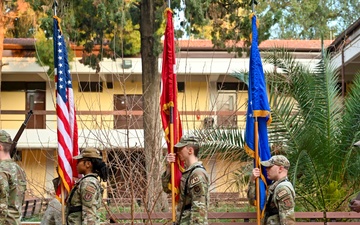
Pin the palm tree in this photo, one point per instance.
(315, 128)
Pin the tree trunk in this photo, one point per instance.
(151, 107)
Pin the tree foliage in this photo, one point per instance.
(310, 19)
(93, 23)
(19, 23)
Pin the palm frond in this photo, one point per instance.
(227, 142)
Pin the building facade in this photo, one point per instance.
(109, 104)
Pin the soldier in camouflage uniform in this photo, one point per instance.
(52, 215)
(85, 198)
(354, 204)
(280, 201)
(194, 186)
(12, 184)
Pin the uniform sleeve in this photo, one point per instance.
(286, 204)
(251, 193)
(4, 196)
(48, 217)
(198, 189)
(56, 212)
(89, 198)
(165, 180)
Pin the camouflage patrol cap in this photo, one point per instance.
(187, 140)
(89, 153)
(5, 137)
(278, 160)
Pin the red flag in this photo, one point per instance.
(65, 110)
(168, 97)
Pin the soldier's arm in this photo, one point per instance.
(89, 197)
(165, 181)
(4, 196)
(251, 193)
(286, 204)
(48, 215)
(198, 191)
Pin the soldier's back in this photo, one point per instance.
(14, 186)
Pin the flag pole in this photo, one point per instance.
(62, 188)
(172, 165)
(63, 204)
(257, 161)
(257, 165)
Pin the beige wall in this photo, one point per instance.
(227, 175)
(39, 166)
(12, 101)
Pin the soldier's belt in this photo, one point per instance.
(187, 207)
(271, 212)
(73, 209)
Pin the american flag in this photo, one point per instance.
(66, 116)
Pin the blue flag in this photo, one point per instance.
(258, 107)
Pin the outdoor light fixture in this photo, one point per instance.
(126, 64)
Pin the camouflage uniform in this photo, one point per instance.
(52, 215)
(12, 191)
(193, 204)
(84, 201)
(280, 201)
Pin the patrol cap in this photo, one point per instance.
(278, 160)
(187, 140)
(89, 153)
(5, 137)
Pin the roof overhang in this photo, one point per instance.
(345, 51)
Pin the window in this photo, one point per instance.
(35, 97)
(22, 86)
(90, 86)
(232, 86)
(181, 87)
(131, 116)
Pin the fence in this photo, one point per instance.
(33, 207)
(241, 218)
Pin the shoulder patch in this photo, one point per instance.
(194, 180)
(90, 189)
(88, 196)
(282, 193)
(287, 202)
(89, 192)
